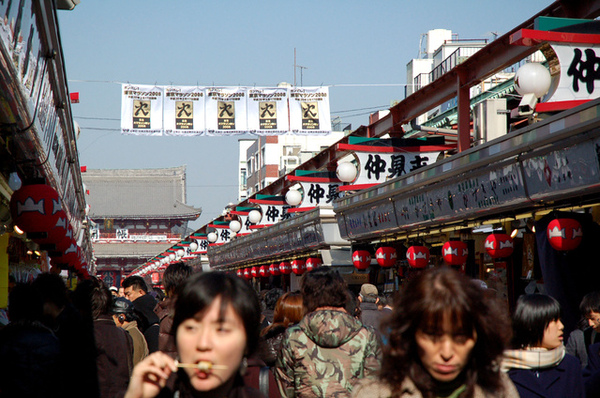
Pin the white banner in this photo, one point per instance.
(268, 111)
(376, 168)
(272, 214)
(578, 72)
(226, 111)
(319, 193)
(309, 110)
(184, 110)
(142, 109)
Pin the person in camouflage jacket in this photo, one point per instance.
(329, 351)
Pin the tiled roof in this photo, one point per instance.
(129, 250)
(150, 193)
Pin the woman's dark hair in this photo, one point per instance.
(434, 296)
(289, 310)
(174, 276)
(201, 289)
(590, 303)
(323, 287)
(532, 315)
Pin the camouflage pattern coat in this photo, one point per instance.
(325, 355)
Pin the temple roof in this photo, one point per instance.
(129, 250)
(138, 194)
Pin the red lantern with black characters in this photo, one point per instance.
(35, 208)
(263, 271)
(455, 252)
(298, 267)
(312, 263)
(386, 256)
(285, 268)
(155, 277)
(247, 273)
(564, 234)
(417, 256)
(499, 245)
(361, 259)
(274, 269)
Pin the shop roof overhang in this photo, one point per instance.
(544, 165)
(301, 235)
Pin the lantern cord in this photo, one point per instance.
(37, 102)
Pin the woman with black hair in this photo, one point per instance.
(446, 336)
(216, 326)
(538, 364)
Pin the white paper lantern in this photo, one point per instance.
(254, 216)
(180, 252)
(172, 256)
(235, 225)
(293, 197)
(193, 246)
(532, 78)
(346, 172)
(212, 237)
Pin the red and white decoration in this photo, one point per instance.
(298, 267)
(247, 273)
(240, 273)
(361, 259)
(499, 245)
(455, 252)
(285, 268)
(386, 256)
(263, 271)
(417, 256)
(564, 234)
(254, 272)
(35, 207)
(274, 269)
(312, 263)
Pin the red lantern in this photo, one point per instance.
(564, 234)
(70, 255)
(54, 234)
(285, 268)
(361, 259)
(34, 208)
(155, 277)
(274, 269)
(312, 263)
(417, 256)
(263, 271)
(499, 245)
(239, 273)
(386, 256)
(247, 273)
(254, 272)
(298, 267)
(455, 252)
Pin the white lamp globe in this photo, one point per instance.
(212, 237)
(293, 197)
(235, 225)
(180, 252)
(346, 172)
(254, 216)
(157, 264)
(172, 256)
(533, 78)
(193, 246)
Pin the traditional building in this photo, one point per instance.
(135, 214)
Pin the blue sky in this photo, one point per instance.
(358, 48)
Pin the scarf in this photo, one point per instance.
(532, 358)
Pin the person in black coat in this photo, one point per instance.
(538, 364)
(136, 291)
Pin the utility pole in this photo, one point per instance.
(296, 66)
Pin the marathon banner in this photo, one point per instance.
(309, 111)
(220, 111)
(183, 110)
(142, 109)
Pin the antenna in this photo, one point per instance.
(300, 67)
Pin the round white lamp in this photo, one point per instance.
(172, 256)
(254, 216)
(293, 197)
(193, 246)
(346, 172)
(180, 252)
(212, 237)
(533, 78)
(235, 225)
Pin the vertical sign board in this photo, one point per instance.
(142, 110)
(268, 111)
(309, 110)
(184, 110)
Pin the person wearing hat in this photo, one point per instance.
(125, 318)
(370, 314)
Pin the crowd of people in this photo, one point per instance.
(212, 335)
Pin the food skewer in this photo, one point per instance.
(202, 365)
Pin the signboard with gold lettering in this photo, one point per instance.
(184, 110)
(309, 110)
(142, 109)
(268, 111)
(226, 110)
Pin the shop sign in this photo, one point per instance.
(365, 220)
(376, 168)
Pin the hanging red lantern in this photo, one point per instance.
(155, 277)
(361, 259)
(499, 245)
(455, 252)
(70, 255)
(274, 269)
(263, 271)
(298, 267)
(312, 263)
(247, 273)
(386, 256)
(54, 234)
(239, 273)
(564, 234)
(254, 272)
(285, 268)
(417, 256)
(34, 208)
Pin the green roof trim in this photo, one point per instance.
(552, 23)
